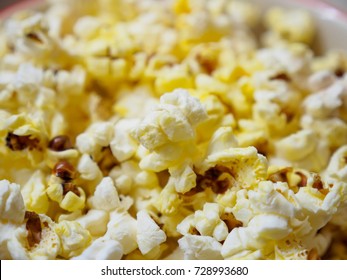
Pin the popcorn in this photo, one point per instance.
(184, 178)
(97, 136)
(149, 235)
(122, 228)
(169, 200)
(34, 194)
(11, 203)
(95, 221)
(287, 24)
(325, 103)
(29, 34)
(74, 239)
(88, 169)
(102, 249)
(304, 150)
(200, 247)
(332, 130)
(239, 166)
(37, 240)
(105, 196)
(337, 165)
(69, 196)
(207, 222)
(123, 146)
(166, 131)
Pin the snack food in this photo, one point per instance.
(164, 129)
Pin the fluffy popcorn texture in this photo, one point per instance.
(74, 238)
(149, 235)
(190, 135)
(170, 128)
(34, 194)
(69, 201)
(48, 247)
(200, 247)
(88, 169)
(294, 26)
(11, 203)
(105, 196)
(123, 228)
(95, 221)
(97, 136)
(207, 222)
(102, 249)
(123, 146)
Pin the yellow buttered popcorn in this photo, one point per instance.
(34, 194)
(171, 129)
(74, 238)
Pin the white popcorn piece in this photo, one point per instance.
(183, 177)
(332, 130)
(222, 140)
(280, 59)
(86, 27)
(34, 193)
(123, 146)
(170, 130)
(12, 207)
(7, 231)
(28, 79)
(95, 221)
(321, 79)
(190, 106)
(270, 226)
(304, 149)
(88, 168)
(122, 228)
(175, 125)
(31, 242)
(72, 82)
(149, 235)
(207, 222)
(74, 239)
(337, 167)
(200, 247)
(292, 25)
(320, 208)
(268, 199)
(102, 249)
(326, 102)
(105, 196)
(239, 240)
(149, 133)
(169, 201)
(98, 135)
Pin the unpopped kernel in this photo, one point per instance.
(171, 130)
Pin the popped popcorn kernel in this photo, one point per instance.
(74, 238)
(149, 235)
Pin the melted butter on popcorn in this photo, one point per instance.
(135, 130)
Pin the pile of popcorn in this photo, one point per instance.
(170, 129)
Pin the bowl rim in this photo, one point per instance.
(320, 5)
(21, 4)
